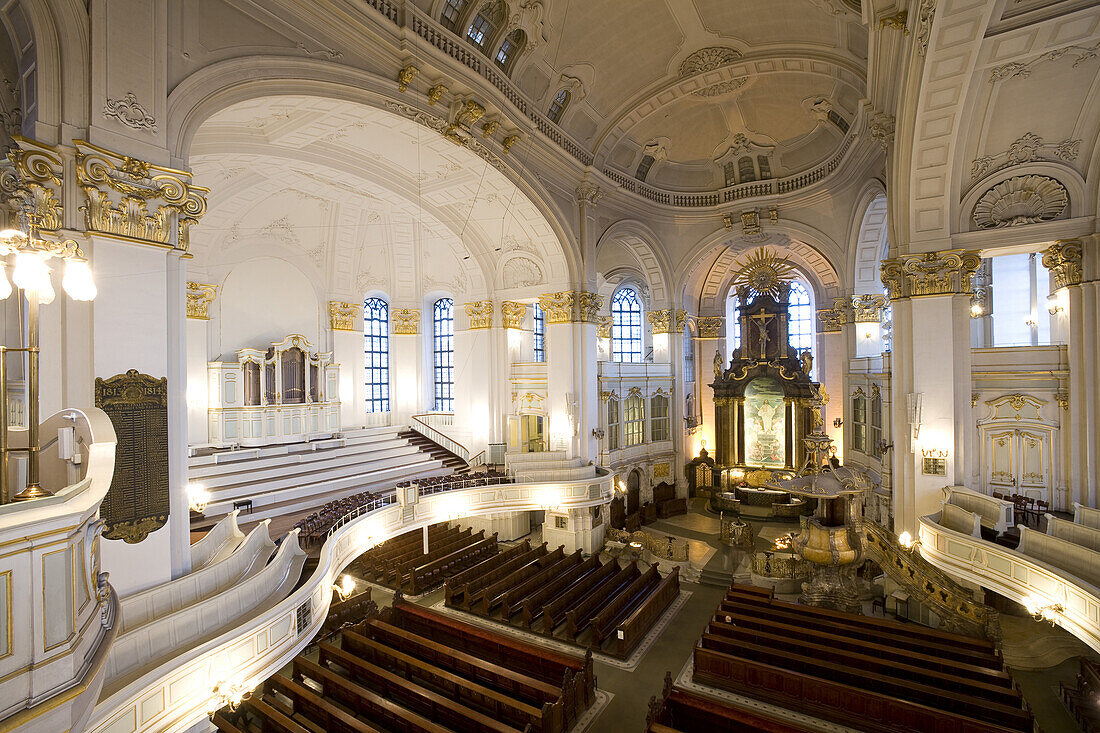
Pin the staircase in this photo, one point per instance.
(450, 461)
(289, 479)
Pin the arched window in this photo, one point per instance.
(612, 423)
(451, 12)
(443, 346)
(510, 49)
(634, 421)
(643, 167)
(765, 166)
(859, 421)
(658, 418)
(800, 318)
(557, 107)
(540, 334)
(733, 326)
(626, 326)
(730, 171)
(376, 353)
(875, 438)
(480, 32)
(745, 169)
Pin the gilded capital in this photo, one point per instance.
(932, 273)
(603, 328)
(833, 319)
(512, 313)
(30, 184)
(405, 321)
(480, 313)
(342, 316)
(136, 200)
(669, 320)
(199, 298)
(868, 308)
(1063, 258)
(571, 306)
(588, 193)
(710, 327)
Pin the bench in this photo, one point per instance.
(534, 603)
(309, 704)
(578, 618)
(243, 504)
(553, 613)
(1078, 534)
(1068, 557)
(493, 595)
(433, 572)
(687, 712)
(475, 590)
(453, 587)
(997, 515)
(648, 513)
(960, 520)
(397, 571)
(1086, 515)
(634, 627)
(664, 496)
(622, 605)
(513, 599)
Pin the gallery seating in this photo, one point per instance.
(866, 673)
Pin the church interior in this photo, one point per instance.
(549, 366)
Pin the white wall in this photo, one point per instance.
(262, 301)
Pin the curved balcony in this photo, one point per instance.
(59, 613)
(1015, 575)
(180, 692)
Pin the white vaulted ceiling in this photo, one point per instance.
(363, 199)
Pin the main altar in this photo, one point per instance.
(765, 402)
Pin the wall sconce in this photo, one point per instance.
(1056, 302)
(976, 310)
(1031, 321)
(227, 695)
(597, 433)
(914, 405)
(908, 541)
(882, 446)
(837, 422)
(198, 498)
(345, 587)
(1043, 612)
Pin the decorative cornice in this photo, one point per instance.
(1063, 258)
(342, 316)
(571, 306)
(710, 327)
(512, 313)
(832, 320)
(868, 308)
(405, 321)
(1027, 148)
(199, 298)
(480, 313)
(449, 131)
(932, 273)
(130, 198)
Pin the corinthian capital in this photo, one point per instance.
(588, 193)
(1063, 258)
(931, 273)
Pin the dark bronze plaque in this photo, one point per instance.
(137, 502)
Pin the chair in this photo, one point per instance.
(998, 495)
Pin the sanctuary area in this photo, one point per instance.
(549, 366)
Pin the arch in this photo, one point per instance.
(652, 266)
(220, 85)
(870, 242)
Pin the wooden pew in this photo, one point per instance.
(507, 709)
(514, 597)
(866, 709)
(433, 572)
(750, 590)
(493, 595)
(369, 704)
(474, 590)
(224, 725)
(523, 687)
(271, 719)
(578, 618)
(374, 560)
(648, 512)
(623, 604)
(634, 627)
(309, 704)
(454, 586)
(533, 604)
(664, 496)
(877, 664)
(687, 712)
(835, 673)
(444, 547)
(553, 613)
(989, 675)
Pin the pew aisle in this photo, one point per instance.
(411, 669)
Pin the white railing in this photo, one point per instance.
(223, 539)
(252, 652)
(427, 424)
(459, 484)
(1015, 576)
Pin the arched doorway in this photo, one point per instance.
(633, 491)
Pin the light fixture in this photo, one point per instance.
(976, 310)
(345, 588)
(31, 274)
(1043, 611)
(1030, 321)
(227, 695)
(907, 541)
(198, 498)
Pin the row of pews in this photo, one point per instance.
(867, 673)
(567, 596)
(1080, 698)
(401, 563)
(665, 504)
(412, 670)
(683, 711)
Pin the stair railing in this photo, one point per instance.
(422, 424)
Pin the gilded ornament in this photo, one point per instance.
(832, 320)
(405, 77)
(480, 313)
(868, 308)
(588, 307)
(576, 306)
(1063, 258)
(750, 222)
(1062, 398)
(764, 273)
(603, 328)
(661, 321)
(662, 470)
(512, 313)
(435, 93)
(465, 115)
(199, 298)
(710, 327)
(896, 21)
(405, 321)
(509, 141)
(30, 183)
(490, 127)
(931, 273)
(343, 316)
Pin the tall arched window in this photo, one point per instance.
(480, 32)
(451, 12)
(376, 353)
(733, 326)
(510, 49)
(443, 346)
(557, 107)
(540, 334)
(800, 318)
(745, 169)
(643, 167)
(626, 326)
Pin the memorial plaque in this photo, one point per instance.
(137, 502)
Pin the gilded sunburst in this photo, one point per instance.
(764, 272)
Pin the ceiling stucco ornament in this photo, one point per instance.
(1027, 148)
(529, 17)
(924, 25)
(709, 59)
(521, 272)
(764, 272)
(441, 126)
(1020, 200)
(130, 112)
(1080, 55)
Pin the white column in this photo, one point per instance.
(1080, 271)
(474, 370)
(406, 364)
(347, 351)
(710, 339)
(572, 372)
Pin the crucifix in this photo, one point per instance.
(762, 321)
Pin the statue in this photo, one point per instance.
(807, 359)
(717, 364)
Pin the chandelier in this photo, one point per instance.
(31, 258)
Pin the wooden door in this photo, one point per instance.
(1018, 462)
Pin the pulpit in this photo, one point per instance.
(286, 394)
